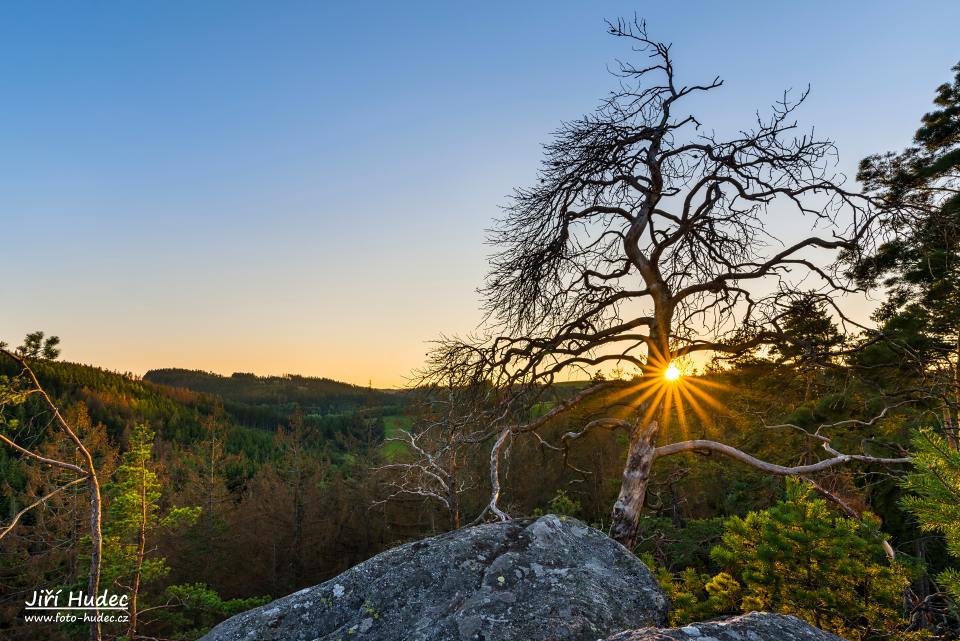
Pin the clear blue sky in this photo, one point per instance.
(303, 186)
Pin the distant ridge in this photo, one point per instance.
(311, 393)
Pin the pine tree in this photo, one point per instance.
(920, 265)
(935, 497)
(134, 516)
(800, 558)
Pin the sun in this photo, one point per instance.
(672, 372)
(666, 393)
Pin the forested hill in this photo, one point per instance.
(176, 409)
(249, 483)
(313, 395)
(118, 400)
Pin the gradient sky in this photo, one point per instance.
(303, 187)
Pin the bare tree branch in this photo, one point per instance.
(88, 474)
(38, 502)
(772, 468)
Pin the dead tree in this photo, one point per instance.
(645, 240)
(20, 388)
(430, 472)
(433, 465)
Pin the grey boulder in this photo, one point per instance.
(756, 626)
(550, 578)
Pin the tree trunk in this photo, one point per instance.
(296, 543)
(953, 421)
(141, 551)
(454, 501)
(453, 493)
(96, 542)
(633, 489)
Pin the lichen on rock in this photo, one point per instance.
(549, 578)
(755, 626)
(545, 579)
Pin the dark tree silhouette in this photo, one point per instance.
(645, 240)
(920, 265)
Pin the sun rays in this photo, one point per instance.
(670, 394)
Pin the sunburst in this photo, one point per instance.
(668, 391)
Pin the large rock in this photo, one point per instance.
(545, 579)
(756, 626)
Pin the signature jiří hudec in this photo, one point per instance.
(48, 599)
